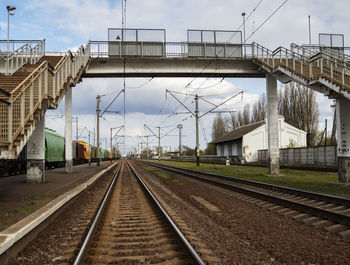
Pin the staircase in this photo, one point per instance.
(30, 85)
(326, 71)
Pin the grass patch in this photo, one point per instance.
(159, 173)
(29, 207)
(321, 182)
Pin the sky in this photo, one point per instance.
(68, 24)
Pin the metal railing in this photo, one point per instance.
(30, 52)
(17, 108)
(305, 63)
(13, 45)
(165, 49)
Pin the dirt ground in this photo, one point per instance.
(18, 199)
(241, 233)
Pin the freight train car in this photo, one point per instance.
(93, 153)
(54, 155)
(83, 152)
(54, 149)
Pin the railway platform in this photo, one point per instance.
(18, 199)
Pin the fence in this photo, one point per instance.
(319, 155)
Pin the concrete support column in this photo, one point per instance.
(343, 138)
(68, 131)
(272, 125)
(36, 154)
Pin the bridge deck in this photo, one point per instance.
(172, 67)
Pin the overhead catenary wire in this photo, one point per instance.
(206, 66)
(263, 23)
(267, 19)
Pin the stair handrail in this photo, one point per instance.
(22, 55)
(25, 112)
(332, 68)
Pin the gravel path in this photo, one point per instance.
(241, 233)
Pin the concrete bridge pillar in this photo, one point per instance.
(36, 154)
(68, 131)
(343, 138)
(272, 125)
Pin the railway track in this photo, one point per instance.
(131, 227)
(320, 210)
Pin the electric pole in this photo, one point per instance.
(115, 136)
(98, 98)
(111, 146)
(196, 112)
(90, 150)
(75, 119)
(197, 130)
(147, 147)
(158, 143)
(180, 129)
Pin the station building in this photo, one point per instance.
(245, 141)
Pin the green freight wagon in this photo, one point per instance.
(93, 153)
(54, 149)
(105, 155)
(102, 153)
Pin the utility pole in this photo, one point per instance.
(90, 150)
(75, 119)
(141, 150)
(197, 130)
(309, 30)
(158, 136)
(147, 146)
(325, 133)
(94, 132)
(158, 143)
(243, 15)
(180, 129)
(98, 98)
(111, 146)
(196, 112)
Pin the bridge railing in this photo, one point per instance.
(30, 52)
(165, 49)
(43, 83)
(12, 45)
(306, 63)
(22, 102)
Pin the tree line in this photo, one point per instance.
(295, 102)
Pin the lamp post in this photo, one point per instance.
(243, 15)
(10, 12)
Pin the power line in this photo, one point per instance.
(245, 20)
(262, 24)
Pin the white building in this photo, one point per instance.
(245, 141)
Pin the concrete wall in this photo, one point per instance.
(253, 141)
(257, 139)
(289, 133)
(233, 148)
(319, 155)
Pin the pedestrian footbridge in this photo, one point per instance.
(33, 80)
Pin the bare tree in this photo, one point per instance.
(259, 109)
(299, 107)
(219, 127)
(246, 115)
(296, 103)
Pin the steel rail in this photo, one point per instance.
(82, 250)
(323, 213)
(292, 191)
(188, 246)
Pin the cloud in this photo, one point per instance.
(68, 24)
